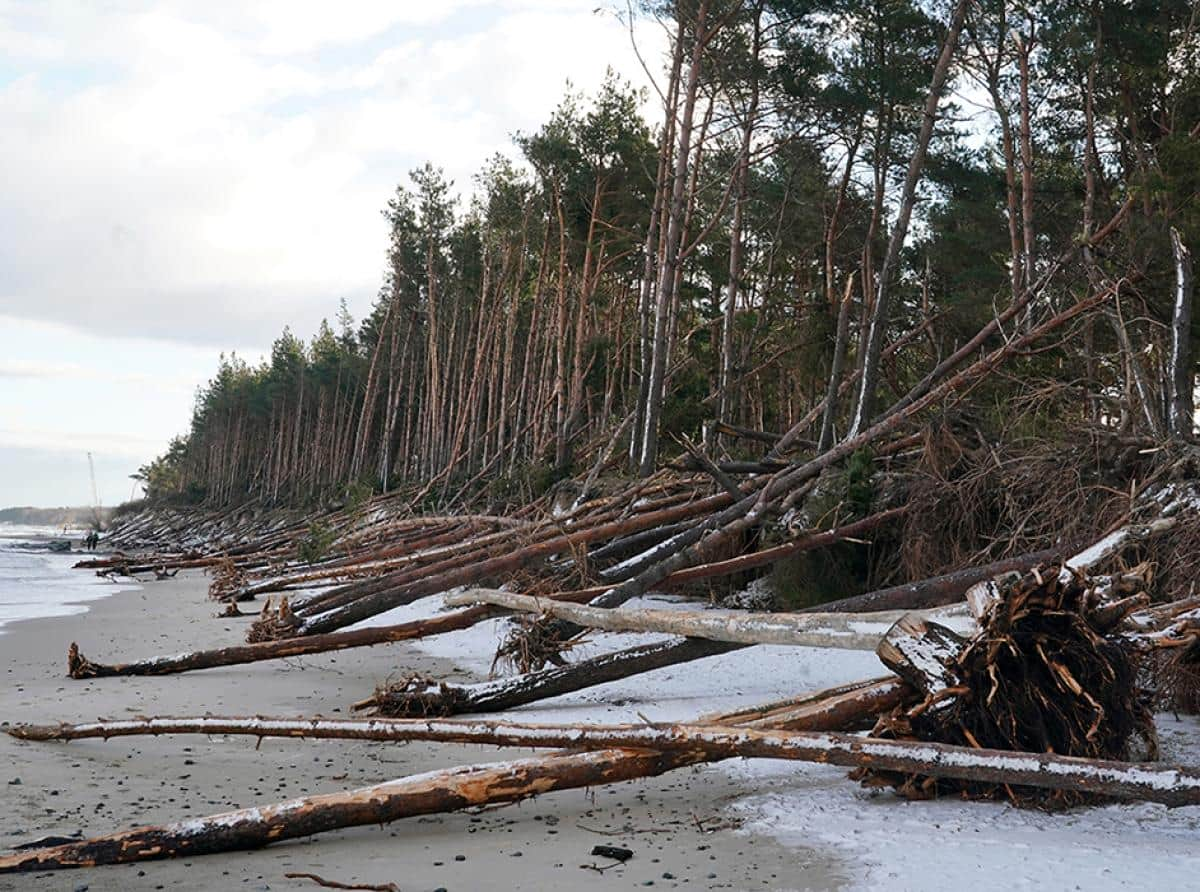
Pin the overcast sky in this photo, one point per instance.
(184, 178)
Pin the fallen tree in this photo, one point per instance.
(846, 630)
(1046, 672)
(644, 751)
(442, 791)
(79, 666)
(424, 697)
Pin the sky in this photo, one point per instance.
(180, 179)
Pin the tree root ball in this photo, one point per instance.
(415, 698)
(533, 643)
(1040, 676)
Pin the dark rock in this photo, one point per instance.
(615, 852)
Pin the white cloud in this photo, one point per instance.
(192, 170)
(182, 177)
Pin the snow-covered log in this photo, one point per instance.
(620, 753)
(856, 631)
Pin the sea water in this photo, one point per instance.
(37, 583)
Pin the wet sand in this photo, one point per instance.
(94, 787)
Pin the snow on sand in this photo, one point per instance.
(946, 844)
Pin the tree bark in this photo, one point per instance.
(645, 751)
(873, 345)
(797, 629)
(506, 693)
(1182, 414)
(79, 666)
(670, 257)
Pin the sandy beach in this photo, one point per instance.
(94, 787)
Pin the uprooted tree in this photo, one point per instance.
(703, 355)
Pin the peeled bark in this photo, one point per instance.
(432, 793)
(490, 784)
(645, 751)
(795, 629)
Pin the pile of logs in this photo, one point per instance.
(1018, 680)
(1025, 677)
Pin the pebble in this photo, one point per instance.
(15, 782)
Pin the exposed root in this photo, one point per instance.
(79, 666)
(416, 697)
(274, 623)
(1040, 676)
(228, 579)
(532, 643)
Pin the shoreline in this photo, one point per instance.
(96, 787)
(58, 589)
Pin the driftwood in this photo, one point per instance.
(805, 629)
(421, 697)
(644, 751)
(837, 708)
(79, 666)
(422, 794)
(489, 784)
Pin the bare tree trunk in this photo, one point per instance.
(667, 274)
(794, 629)
(1182, 414)
(873, 346)
(647, 298)
(435, 698)
(840, 343)
(644, 751)
(78, 666)
(1025, 45)
(742, 174)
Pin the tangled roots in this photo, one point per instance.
(227, 580)
(416, 697)
(274, 623)
(532, 643)
(1042, 675)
